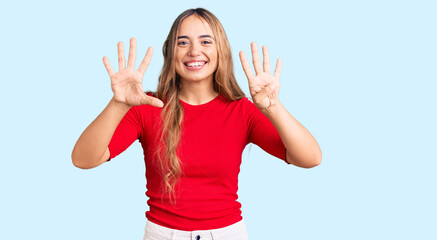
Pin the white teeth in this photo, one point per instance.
(195, 64)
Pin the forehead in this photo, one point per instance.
(194, 26)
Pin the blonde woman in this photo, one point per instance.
(194, 128)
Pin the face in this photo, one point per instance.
(196, 52)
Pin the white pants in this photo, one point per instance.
(236, 231)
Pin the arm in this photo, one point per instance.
(301, 148)
(91, 148)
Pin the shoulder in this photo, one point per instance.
(242, 107)
(244, 101)
(245, 104)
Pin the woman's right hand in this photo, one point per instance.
(127, 83)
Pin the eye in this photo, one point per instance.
(182, 43)
(207, 42)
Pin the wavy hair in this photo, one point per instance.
(169, 88)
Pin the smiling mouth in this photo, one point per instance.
(195, 65)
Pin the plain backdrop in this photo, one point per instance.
(359, 75)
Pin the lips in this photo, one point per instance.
(195, 65)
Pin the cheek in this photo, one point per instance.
(216, 59)
(178, 66)
(179, 54)
(178, 61)
(177, 57)
(214, 56)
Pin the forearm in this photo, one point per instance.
(92, 145)
(302, 149)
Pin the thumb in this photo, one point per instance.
(261, 98)
(156, 102)
(266, 91)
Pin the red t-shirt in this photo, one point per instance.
(213, 138)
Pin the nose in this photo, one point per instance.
(194, 50)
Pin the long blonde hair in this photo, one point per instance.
(169, 88)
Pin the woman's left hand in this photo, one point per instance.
(263, 86)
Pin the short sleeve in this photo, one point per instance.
(262, 132)
(128, 130)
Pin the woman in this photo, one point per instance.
(194, 128)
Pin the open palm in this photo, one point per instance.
(263, 86)
(127, 83)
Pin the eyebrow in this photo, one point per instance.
(201, 36)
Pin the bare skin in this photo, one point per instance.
(302, 149)
(91, 148)
(195, 43)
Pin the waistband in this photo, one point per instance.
(235, 231)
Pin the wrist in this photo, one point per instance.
(120, 105)
(272, 109)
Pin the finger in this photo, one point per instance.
(156, 102)
(121, 60)
(146, 61)
(108, 66)
(277, 69)
(266, 60)
(246, 66)
(262, 97)
(132, 53)
(255, 58)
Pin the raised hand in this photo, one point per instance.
(263, 86)
(127, 83)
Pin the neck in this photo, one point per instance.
(196, 93)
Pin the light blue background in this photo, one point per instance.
(360, 75)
